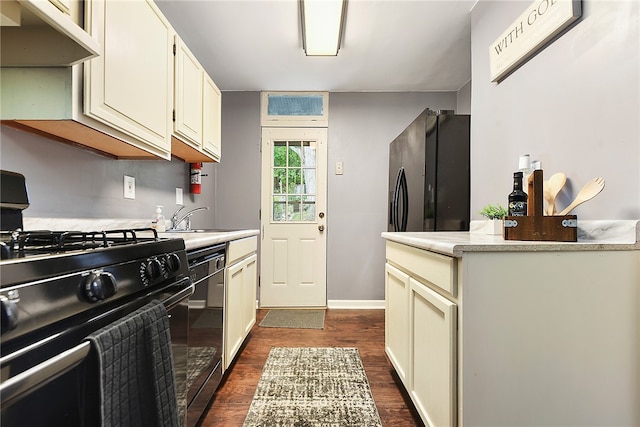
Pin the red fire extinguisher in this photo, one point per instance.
(196, 175)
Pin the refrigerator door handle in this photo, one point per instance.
(394, 201)
(405, 201)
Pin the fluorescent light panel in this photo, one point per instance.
(322, 26)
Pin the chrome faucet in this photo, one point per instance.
(175, 222)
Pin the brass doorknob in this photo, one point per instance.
(321, 227)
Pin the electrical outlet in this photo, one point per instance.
(129, 187)
(179, 198)
(339, 168)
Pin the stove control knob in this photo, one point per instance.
(9, 314)
(99, 285)
(153, 269)
(173, 263)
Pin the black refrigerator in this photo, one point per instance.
(429, 174)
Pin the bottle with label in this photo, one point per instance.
(517, 198)
(157, 221)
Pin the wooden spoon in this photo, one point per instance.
(551, 189)
(588, 192)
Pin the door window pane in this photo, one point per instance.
(309, 208)
(294, 181)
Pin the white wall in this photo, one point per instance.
(575, 106)
(463, 106)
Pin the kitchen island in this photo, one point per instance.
(484, 331)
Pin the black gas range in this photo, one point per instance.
(48, 276)
(58, 287)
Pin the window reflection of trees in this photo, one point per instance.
(294, 181)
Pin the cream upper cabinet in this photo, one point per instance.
(121, 103)
(130, 85)
(212, 119)
(197, 109)
(188, 95)
(36, 33)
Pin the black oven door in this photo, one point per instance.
(55, 381)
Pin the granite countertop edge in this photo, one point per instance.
(192, 240)
(615, 235)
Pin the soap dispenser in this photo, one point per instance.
(157, 221)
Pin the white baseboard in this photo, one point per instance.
(356, 304)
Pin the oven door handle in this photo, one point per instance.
(43, 373)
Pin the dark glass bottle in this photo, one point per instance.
(517, 198)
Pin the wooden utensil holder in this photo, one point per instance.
(536, 226)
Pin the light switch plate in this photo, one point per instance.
(129, 187)
(179, 198)
(339, 168)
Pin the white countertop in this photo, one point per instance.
(592, 236)
(208, 238)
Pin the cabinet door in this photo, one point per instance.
(188, 95)
(130, 85)
(250, 280)
(433, 355)
(396, 333)
(212, 118)
(233, 312)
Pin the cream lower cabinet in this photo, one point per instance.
(241, 277)
(432, 355)
(420, 331)
(397, 320)
(539, 336)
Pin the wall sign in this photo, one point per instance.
(540, 22)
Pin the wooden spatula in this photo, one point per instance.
(588, 192)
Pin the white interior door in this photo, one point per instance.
(294, 193)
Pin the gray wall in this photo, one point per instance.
(361, 125)
(575, 106)
(67, 182)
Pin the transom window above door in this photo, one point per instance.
(294, 109)
(293, 192)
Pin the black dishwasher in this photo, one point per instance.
(206, 321)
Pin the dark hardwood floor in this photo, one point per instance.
(363, 329)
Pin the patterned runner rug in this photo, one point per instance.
(291, 318)
(310, 387)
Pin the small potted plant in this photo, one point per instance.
(494, 215)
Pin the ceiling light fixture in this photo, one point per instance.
(322, 23)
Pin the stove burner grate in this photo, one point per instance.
(15, 244)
